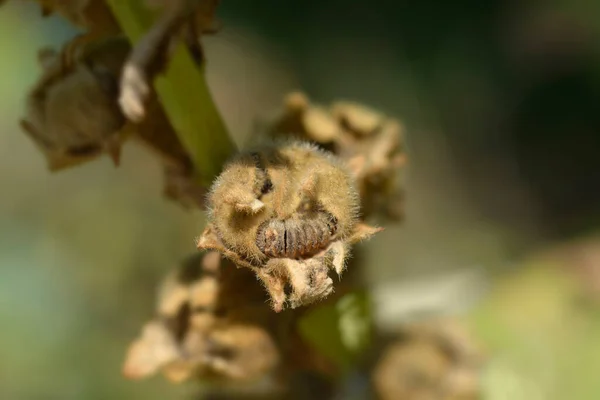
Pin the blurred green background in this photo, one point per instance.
(501, 100)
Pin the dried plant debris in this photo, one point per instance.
(434, 360)
(182, 186)
(72, 114)
(92, 15)
(188, 19)
(212, 323)
(370, 143)
(289, 212)
(181, 183)
(305, 121)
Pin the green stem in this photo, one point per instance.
(184, 95)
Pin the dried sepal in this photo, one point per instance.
(154, 349)
(288, 212)
(72, 114)
(308, 280)
(362, 231)
(435, 359)
(211, 323)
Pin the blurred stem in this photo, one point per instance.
(184, 95)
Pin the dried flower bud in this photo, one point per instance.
(303, 120)
(72, 114)
(433, 360)
(289, 213)
(370, 143)
(376, 161)
(155, 348)
(357, 118)
(212, 323)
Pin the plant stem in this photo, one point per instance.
(184, 95)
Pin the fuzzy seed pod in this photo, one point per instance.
(289, 213)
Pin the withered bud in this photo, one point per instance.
(370, 143)
(432, 360)
(357, 118)
(211, 323)
(289, 212)
(72, 114)
(302, 120)
(377, 161)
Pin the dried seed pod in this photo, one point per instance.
(72, 114)
(411, 371)
(155, 348)
(370, 143)
(432, 360)
(304, 121)
(377, 161)
(188, 18)
(289, 213)
(212, 323)
(357, 118)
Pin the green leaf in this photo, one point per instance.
(340, 330)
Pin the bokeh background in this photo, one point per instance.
(502, 104)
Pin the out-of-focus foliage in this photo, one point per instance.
(543, 335)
